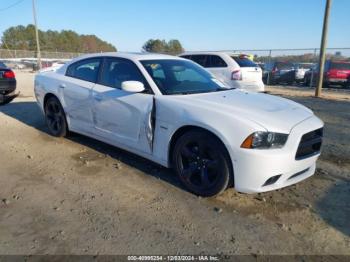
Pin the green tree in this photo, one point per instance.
(23, 38)
(172, 47)
(175, 47)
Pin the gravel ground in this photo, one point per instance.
(81, 196)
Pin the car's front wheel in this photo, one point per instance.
(202, 163)
(55, 117)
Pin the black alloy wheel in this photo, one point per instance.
(55, 117)
(202, 163)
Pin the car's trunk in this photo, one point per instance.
(250, 72)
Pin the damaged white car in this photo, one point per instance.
(173, 112)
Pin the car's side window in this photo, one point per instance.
(215, 61)
(85, 70)
(199, 59)
(116, 71)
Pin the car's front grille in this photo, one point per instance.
(310, 144)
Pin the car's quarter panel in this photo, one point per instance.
(73, 94)
(123, 117)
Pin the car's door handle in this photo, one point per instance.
(62, 86)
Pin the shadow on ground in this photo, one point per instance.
(334, 207)
(30, 114)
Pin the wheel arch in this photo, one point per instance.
(46, 97)
(184, 129)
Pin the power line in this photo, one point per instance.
(10, 6)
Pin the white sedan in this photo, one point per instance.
(173, 112)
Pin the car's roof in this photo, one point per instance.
(131, 56)
(211, 53)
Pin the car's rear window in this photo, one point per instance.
(340, 66)
(244, 62)
(2, 65)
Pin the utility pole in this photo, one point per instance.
(323, 49)
(37, 36)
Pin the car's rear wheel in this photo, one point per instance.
(55, 117)
(202, 163)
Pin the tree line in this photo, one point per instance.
(23, 38)
(303, 58)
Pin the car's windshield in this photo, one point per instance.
(2, 65)
(181, 77)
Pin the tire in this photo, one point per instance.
(55, 118)
(202, 163)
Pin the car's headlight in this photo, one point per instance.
(265, 140)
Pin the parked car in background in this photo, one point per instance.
(335, 73)
(54, 66)
(172, 111)
(301, 69)
(7, 82)
(235, 70)
(278, 72)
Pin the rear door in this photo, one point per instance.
(76, 89)
(250, 71)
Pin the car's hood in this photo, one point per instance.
(271, 112)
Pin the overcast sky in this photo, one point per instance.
(198, 24)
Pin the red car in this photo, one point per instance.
(335, 73)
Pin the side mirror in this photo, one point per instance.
(133, 86)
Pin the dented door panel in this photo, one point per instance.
(123, 117)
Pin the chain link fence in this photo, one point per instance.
(13, 54)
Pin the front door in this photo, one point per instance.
(122, 117)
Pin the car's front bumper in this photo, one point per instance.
(253, 168)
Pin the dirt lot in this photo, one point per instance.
(80, 196)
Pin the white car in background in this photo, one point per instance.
(235, 70)
(55, 66)
(301, 69)
(173, 112)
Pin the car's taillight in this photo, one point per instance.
(236, 75)
(8, 74)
